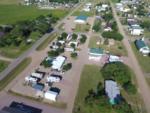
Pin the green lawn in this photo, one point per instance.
(14, 73)
(144, 61)
(13, 13)
(89, 14)
(10, 1)
(117, 49)
(90, 77)
(82, 27)
(3, 65)
(14, 52)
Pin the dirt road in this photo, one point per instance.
(142, 84)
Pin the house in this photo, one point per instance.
(30, 79)
(81, 19)
(119, 7)
(142, 47)
(58, 62)
(136, 30)
(113, 58)
(112, 91)
(95, 53)
(37, 75)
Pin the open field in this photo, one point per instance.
(77, 13)
(90, 77)
(14, 52)
(117, 48)
(14, 73)
(17, 13)
(46, 42)
(10, 1)
(144, 61)
(3, 65)
(82, 28)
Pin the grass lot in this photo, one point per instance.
(14, 52)
(3, 65)
(82, 27)
(10, 1)
(144, 61)
(90, 77)
(117, 49)
(14, 73)
(46, 42)
(18, 12)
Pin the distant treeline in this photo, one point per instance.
(65, 1)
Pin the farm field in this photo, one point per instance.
(10, 1)
(17, 13)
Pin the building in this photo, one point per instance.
(54, 78)
(142, 47)
(50, 95)
(95, 53)
(81, 19)
(58, 62)
(16, 107)
(112, 91)
(136, 30)
(113, 58)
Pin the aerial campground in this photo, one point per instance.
(74, 56)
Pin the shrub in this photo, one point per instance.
(67, 67)
(53, 53)
(74, 55)
(83, 39)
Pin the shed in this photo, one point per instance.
(51, 95)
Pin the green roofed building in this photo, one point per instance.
(96, 53)
(81, 19)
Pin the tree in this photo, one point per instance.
(108, 16)
(74, 36)
(67, 67)
(97, 26)
(64, 35)
(116, 71)
(112, 35)
(53, 53)
(130, 88)
(83, 39)
(74, 55)
(73, 45)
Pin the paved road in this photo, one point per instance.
(33, 48)
(142, 84)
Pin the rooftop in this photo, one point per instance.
(140, 44)
(81, 17)
(96, 50)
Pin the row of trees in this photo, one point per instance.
(112, 35)
(22, 31)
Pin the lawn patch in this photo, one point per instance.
(14, 73)
(82, 28)
(3, 65)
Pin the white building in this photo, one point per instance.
(58, 62)
(136, 30)
(54, 78)
(51, 95)
(113, 58)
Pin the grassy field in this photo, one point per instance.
(14, 52)
(82, 28)
(3, 65)
(13, 13)
(117, 48)
(144, 61)
(46, 42)
(90, 77)
(10, 1)
(14, 73)
(77, 13)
